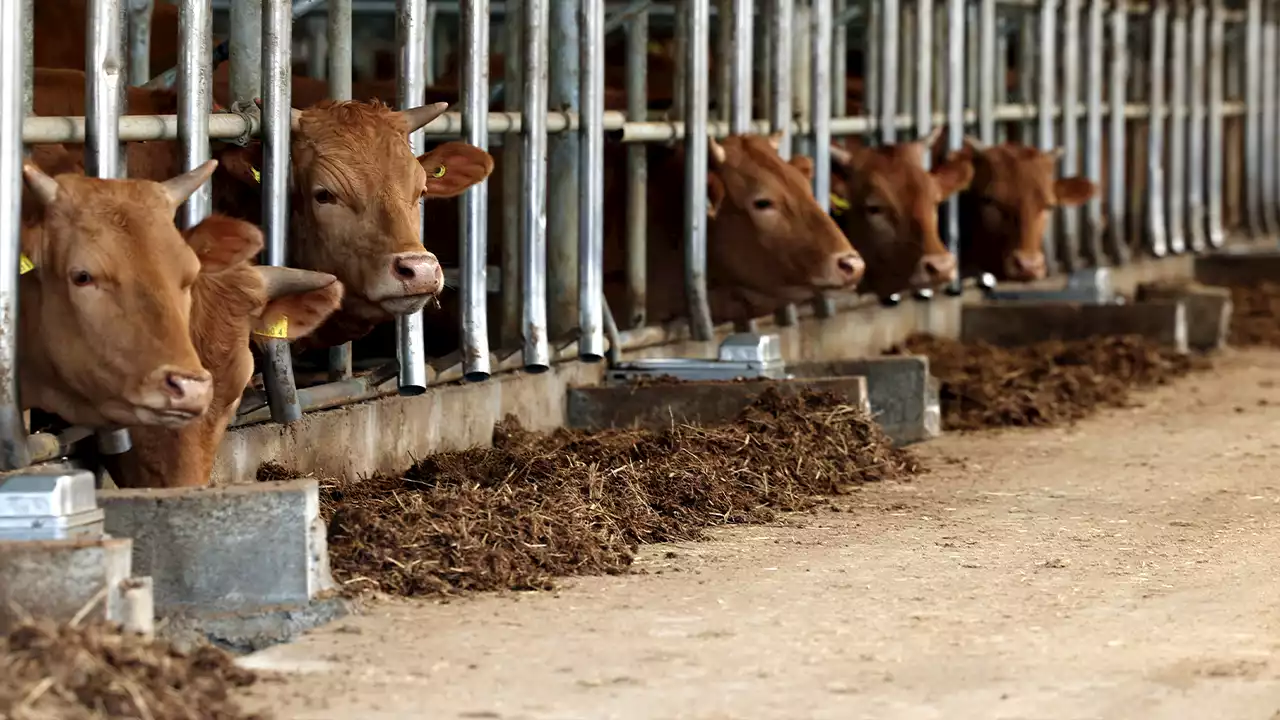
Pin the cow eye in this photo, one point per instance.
(324, 197)
(763, 203)
(81, 278)
(875, 208)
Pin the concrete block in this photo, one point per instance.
(59, 579)
(1247, 267)
(1013, 324)
(902, 393)
(226, 548)
(695, 402)
(1208, 309)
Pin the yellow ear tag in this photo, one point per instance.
(838, 204)
(278, 329)
(439, 173)
(257, 176)
(655, 47)
(25, 265)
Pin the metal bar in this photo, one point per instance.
(195, 94)
(988, 80)
(1195, 128)
(1000, 78)
(1254, 122)
(340, 61)
(533, 201)
(1175, 181)
(871, 57)
(681, 41)
(923, 57)
(722, 90)
(562, 179)
(955, 121)
(1117, 238)
(513, 88)
(781, 17)
(1048, 97)
(1215, 229)
(740, 44)
(1270, 104)
(140, 41)
(637, 172)
(1070, 99)
(29, 46)
(1028, 62)
(14, 25)
(695, 169)
(820, 16)
(1157, 235)
(1095, 79)
(277, 31)
(840, 59)
(245, 48)
(475, 202)
(591, 345)
(890, 13)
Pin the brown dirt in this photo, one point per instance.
(1045, 384)
(96, 672)
(1255, 315)
(535, 506)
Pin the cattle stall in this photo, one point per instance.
(1168, 106)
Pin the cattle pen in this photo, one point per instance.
(583, 278)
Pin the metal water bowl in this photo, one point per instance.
(742, 355)
(52, 504)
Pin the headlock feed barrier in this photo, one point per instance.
(1170, 106)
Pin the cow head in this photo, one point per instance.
(106, 301)
(354, 199)
(887, 204)
(767, 235)
(1007, 206)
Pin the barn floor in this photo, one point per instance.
(1123, 568)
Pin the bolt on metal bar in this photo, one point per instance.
(277, 32)
(955, 121)
(533, 201)
(195, 100)
(591, 346)
(637, 172)
(1070, 100)
(1045, 70)
(1176, 179)
(1217, 235)
(562, 175)
(140, 40)
(1093, 138)
(1117, 237)
(475, 201)
(340, 60)
(14, 24)
(1255, 124)
(1157, 233)
(695, 169)
(1195, 128)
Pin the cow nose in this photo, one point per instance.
(939, 268)
(1026, 265)
(419, 272)
(187, 391)
(849, 268)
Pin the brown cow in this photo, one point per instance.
(887, 205)
(60, 34)
(105, 305)
(1006, 207)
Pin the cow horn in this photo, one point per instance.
(716, 151)
(974, 143)
(933, 136)
(282, 281)
(44, 187)
(1056, 153)
(182, 187)
(775, 139)
(295, 120)
(418, 117)
(841, 155)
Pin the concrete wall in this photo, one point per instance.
(384, 435)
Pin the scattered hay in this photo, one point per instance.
(1044, 384)
(1255, 318)
(535, 506)
(96, 672)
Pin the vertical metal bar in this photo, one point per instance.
(908, 54)
(1117, 237)
(988, 80)
(475, 202)
(104, 89)
(246, 50)
(195, 71)
(637, 170)
(277, 44)
(802, 73)
(820, 30)
(1001, 76)
(681, 71)
(562, 170)
(871, 60)
(973, 81)
(724, 50)
(1156, 229)
(1070, 127)
(1195, 127)
(316, 45)
(433, 57)
(1045, 70)
(923, 57)
(1254, 123)
(29, 46)
(890, 11)
(140, 41)
(955, 119)
(15, 30)
(740, 43)
(695, 168)
(1176, 180)
(410, 61)
(840, 61)
(1270, 103)
(1094, 81)
(533, 201)
(340, 61)
(512, 319)
(1216, 136)
(591, 205)
(1028, 62)
(782, 15)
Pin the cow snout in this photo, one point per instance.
(186, 392)
(1025, 266)
(418, 272)
(848, 268)
(938, 269)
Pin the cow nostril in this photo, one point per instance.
(847, 265)
(175, 385)
(402, 270)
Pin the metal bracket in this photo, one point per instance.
(49, 505)
(741, 355)
(1091, 287)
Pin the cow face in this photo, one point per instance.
(767, 235)
(887, 204)
(1007, 206)
(107, 299)
(354, 199)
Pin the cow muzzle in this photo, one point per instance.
(1023, 266)
(934, 270)
(412, 279)
(843, 271)
(175, 396)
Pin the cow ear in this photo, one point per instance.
(951, 177)
(453, 167)
(715, 194)
(1074, 191)
(221, 242)
(298, 311)
(244, 164)
(804, 164)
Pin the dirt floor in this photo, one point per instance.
(1122, 567)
